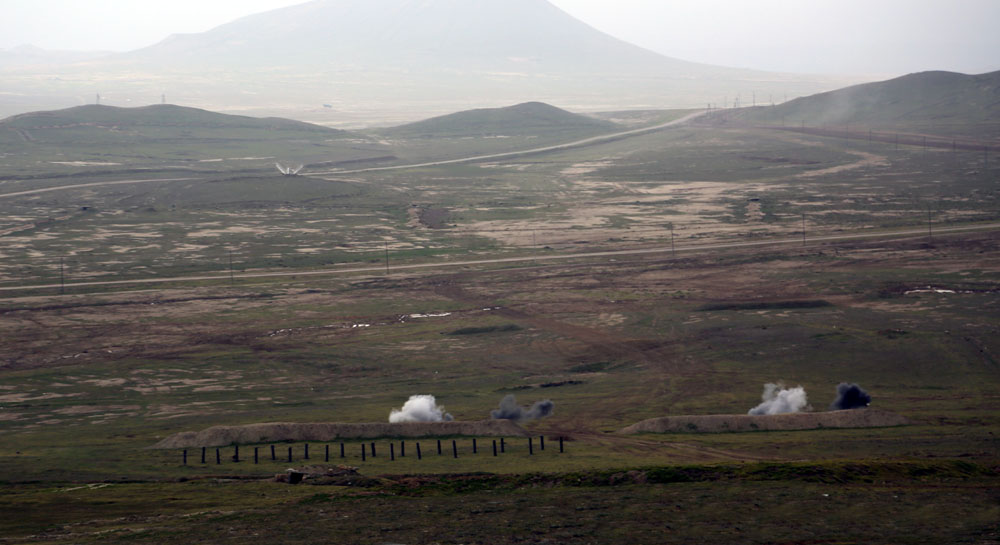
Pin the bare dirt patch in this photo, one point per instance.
(95, 409)
(867, 160)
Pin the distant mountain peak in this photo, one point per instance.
(483, 34)
(406, 58)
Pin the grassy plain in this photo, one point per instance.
(91, 378)
(704, 182)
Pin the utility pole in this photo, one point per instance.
(386, 257)
(98, 99)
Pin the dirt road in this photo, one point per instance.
(520, 259)
(92, 184)
(576, 144)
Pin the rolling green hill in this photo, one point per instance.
(527, 119)
(151, 135)
(161, 116)
(939, 102)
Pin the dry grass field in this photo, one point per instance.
(90, 378)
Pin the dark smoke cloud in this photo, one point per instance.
(850, 396)
(510, 410)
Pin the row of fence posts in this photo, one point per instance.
(368, 450)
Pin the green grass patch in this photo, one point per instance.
(473, 330)
(768, 305)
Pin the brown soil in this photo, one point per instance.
(218, 436)
(715, 423)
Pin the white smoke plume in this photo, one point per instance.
(776, 399)
(420, 408)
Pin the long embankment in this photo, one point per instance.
(218, 436)
(716, 423)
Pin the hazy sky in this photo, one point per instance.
(887, 37)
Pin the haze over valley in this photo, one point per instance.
(351, 62)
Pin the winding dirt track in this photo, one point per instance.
(604, 138)
(92, 184)
(576, 144)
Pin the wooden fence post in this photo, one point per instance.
(503, 446)
(255, 459)
(494, 447)
(474, 449)
(392, 451)
(307, 451)
(289, 454)
(454, 448)
(236, 453)
(541, 441)
(203, 449)
(272, 454)
(185, 457)
(402, 449)
(341, 449)
(363, 446)
(419, 457)
(218, 457)
(560, 443)
(531, 447)
(439, 446)
(327, 458)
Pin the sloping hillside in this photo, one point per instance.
(529, 118)
(150, 135)
(159, 115)
(945, 101)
